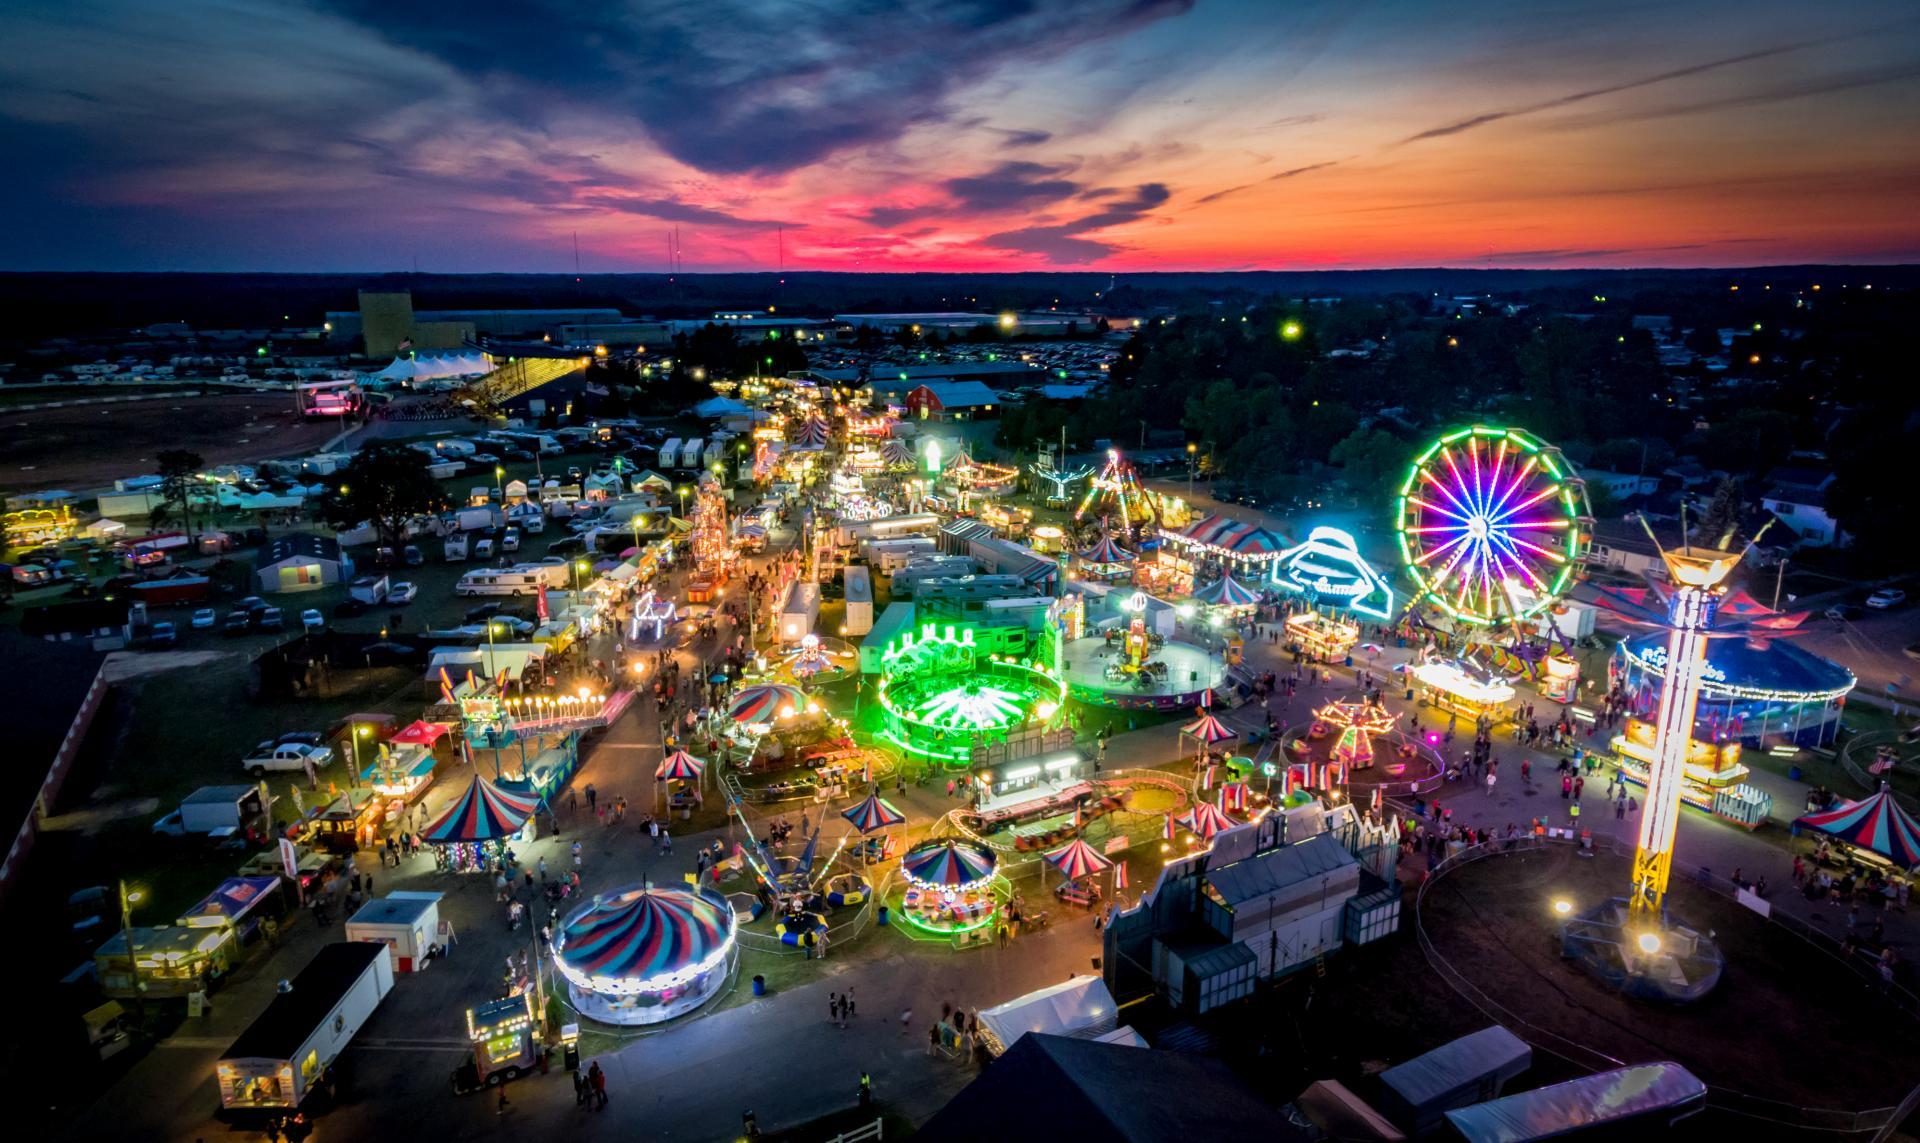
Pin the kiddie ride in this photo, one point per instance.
(506, 1044)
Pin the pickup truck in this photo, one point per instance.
(284, 756)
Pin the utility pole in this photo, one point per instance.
(1779, 580)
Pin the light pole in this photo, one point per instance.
(1192, 459)
(579, 566)
(360, 730)
(128, 899)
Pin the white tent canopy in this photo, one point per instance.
(429, 366)
(1080, 1007)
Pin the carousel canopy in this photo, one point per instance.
(872, 814)
(897, 451)
(1755, 668)
(1205, 819)
(643, 934)
(1209, 729)
(484, 813)
(1234, 537)
(680, 766)
(951, 862)
(1877, 823)
(1077, 859)
(1227, 592)
(764, 702)
(813, 434)
(1108, 551)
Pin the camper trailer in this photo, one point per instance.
(690, 454)
(278, 1061)
(859, 599)
(670, 453)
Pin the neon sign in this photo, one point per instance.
(1328, 569)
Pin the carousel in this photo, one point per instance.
(473, 835)
(643, 955)
(954, 887)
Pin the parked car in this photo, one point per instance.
(350, 609)
(162, 634)
(483, 612)
(510, 540)
(251, 604)
(402, 593)
(312, 620)
(269, 619)
(410, 555)
(1885, 598)
(204, 620)
(288, 756)
(303, 737)
(1844, 611)
(236, 623)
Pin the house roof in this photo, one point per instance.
(1054, 1087)
(299, 544)
(1785, 474)
(1811, 495)
(957, 394)
(1279, 869)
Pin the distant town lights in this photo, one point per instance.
(1291, 331)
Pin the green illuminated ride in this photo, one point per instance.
(942, 694)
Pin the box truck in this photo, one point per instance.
(278, 1061)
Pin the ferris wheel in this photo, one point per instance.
(1493, 524)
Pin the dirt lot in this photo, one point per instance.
(87, 446)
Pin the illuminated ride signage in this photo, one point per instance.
(1329, 570)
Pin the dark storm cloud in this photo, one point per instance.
(1065, 242)
(736, 86)
(1012, 186)
(673, 210)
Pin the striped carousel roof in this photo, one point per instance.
(948, 862)
(1209, 729)
(643, 934)
(484, 813)
(1235, 536)
(1877, 823)
(813, 434)
(1227, 592)
(764, 702)
(1108, 551)
(1077, 859)
(1205, 819)
(680, 766)
(872, 814)
(897, 452)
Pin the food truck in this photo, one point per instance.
(238, 908)
(167, 961)
(281, 1058)
(341, 825)
(408, 923)
(505, 1043)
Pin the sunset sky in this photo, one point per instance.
(956, 135)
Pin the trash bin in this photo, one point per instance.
(882, 915)
(1793, 772)
(759, 985)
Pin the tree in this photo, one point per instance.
(1723, 512)
(384, 485)
(177, 469)
(1369, 460)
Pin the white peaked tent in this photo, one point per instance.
(1082, 1007)
(432, 366)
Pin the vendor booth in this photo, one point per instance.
(1876, 825)
(407, 923)
(1323, 638)
(237, 907)
(170, 961)
(472, 836)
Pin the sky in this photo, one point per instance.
(990, 135)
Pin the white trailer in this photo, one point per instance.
(277, 1062)
(670, 453)
(690, 454)
(889, 556)
(370, 589)
(456, 547)
(800, 612)
(859, 594)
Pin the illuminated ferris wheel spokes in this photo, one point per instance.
(1490, 524)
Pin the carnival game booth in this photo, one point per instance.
(954, 891)
(1711, 780)
(1323, 638)
(401, 773)
(1464, 687)
(1234, 546)
(643, 955)
(167, 962)
(1758, 690)
(472, 836)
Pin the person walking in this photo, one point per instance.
(598, 1080)
(593, 798)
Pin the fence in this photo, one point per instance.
(1581, 1055)
(1873, 740)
